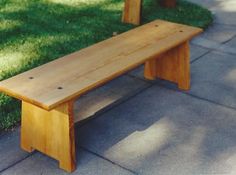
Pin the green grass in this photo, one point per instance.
(34, 32)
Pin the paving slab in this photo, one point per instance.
(195, 50)
(225, 12)
(227, 49)
(232, 43)
(10, 152)
(213, 45)
(214, 78)
(206, 43)
(219, 33)
(106, 96)
(162, 131)
(88, 164)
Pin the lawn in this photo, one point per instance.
(34, 32)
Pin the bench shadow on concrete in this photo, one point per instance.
(163, 126)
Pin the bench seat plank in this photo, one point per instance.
(68, 77)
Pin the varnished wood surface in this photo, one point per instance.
(68, 77)
(132, 12)
(51, 132)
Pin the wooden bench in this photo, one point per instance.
(48, 92)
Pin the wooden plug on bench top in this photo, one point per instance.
(174, 66)
(51, 132)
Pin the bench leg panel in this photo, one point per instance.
(50, 132)
(174, 66)
(150, 71)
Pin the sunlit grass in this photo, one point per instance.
(9, 24)
(34, 32)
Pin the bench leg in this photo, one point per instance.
(132, 12)
(173, 66)
(50, 132)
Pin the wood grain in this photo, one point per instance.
(67, 78)
(51, 132)
(150, 69)
(132, 12)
